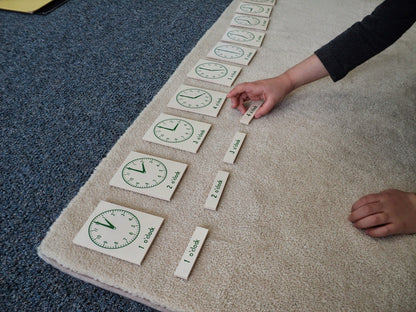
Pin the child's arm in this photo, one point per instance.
(351, 48)
(274, 90)
(387, 213)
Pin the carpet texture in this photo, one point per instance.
(280, 240)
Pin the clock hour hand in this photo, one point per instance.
(223, 50)
(137, 170)
(245, 20)
(173, 129)
(208, 69)
(109, 224)
(238, 35)
(191, 97)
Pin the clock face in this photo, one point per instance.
(144, 173)
(229, 51)
(194, 98)
(251, 8)
(211, 70)
(173, 130)
(240, 35)
(247, 20)
(113, 229)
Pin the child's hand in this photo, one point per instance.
(271, 91)
(386, 213)
(274, 90)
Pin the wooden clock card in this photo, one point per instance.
(254, 9)
(249, 21)
(120, 232)
(215, 72)
(149, 175)
(198, 100)
(232, 53)
(244, 36)
(265, 2)
(177, 132)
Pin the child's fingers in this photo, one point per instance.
(265, 108)
(381, 231)
(365, 211)
(237, 91)
(372, 221)
(241, 108)
(365, 200)
(235, 101)
(235, 95)
(238, 102)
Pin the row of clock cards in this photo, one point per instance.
(126, 233)
(224, 62)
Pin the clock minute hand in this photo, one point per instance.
(223, 50)
(137, 170)
(208, 69)
(109, 224)
(191, 97)
(173, 129)
(238, 35)
(245, 20)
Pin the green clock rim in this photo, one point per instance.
(183, 140)
(252, 36)
(118, 247)
(212, 63)
(145, 187)
(210, 96)
(215, 51)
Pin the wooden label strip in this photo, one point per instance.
(191, 253)
(216, 190)
(234, 148)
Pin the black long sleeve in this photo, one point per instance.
(387, 23)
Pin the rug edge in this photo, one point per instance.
(99, 284)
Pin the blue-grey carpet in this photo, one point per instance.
(71, 83)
